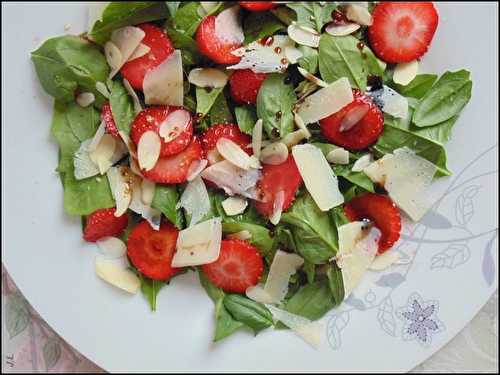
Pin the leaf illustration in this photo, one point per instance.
(391, 280)
(335, 326)
(16, 314)
(435, 220)
(51, 352)
(488, 266)
(451, 257)
(355, 302)
(385, 317)
(464, 206)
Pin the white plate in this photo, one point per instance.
(455, 267)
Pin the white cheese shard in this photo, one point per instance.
(234, 205)
(241, 235)
(117, 275)
(148, 150)
(195, 200)
(284, 265)
(84, 167)
(141, 50)
(302, 36)
(198, 244)
(356, 252)
(279, 201)
(121, 188)
(133, 94)
(164, 84)
(228, 26)
(406, 177)
(363, 162)
(384, 261)
(104, 152)
(404, 73)
(232, 179)
(147, 191)
(325, 101)
(390, 102)
(85, 99)
(174, 124)
(258, 294)
(275, 153)
(233, 153)
(126, 39)
(293, 54)
(112, 247)
(338, 156)
(195, 168)
(207, 77)
(257, 138)
(319, 179)
(342, 30)
(359, 14)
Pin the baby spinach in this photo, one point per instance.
(335, 283)
(261, 237)
(172, 7)
(260, 24)
(187, 18)
(150, 288)
(220, 112)
(253, 314)
(309, 59)
(189, 50)
(418, 87)
(310, 271)
(165, 199)
(246, 118)
(122, 107)
(205, 99)
(311, 301)
(313, 14)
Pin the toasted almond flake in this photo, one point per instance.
(163, 84)
(148, 150)
(326, 101)
(85, 99)
(353, 116)
(293, 54)
(117, 275)
(275, 154)
(195, 168)
(384, 261)
(127, 39)
(233, 153)
(257, 138)
(363, 162)
(128, 143)
(121, 188)
(342, 30)
(140, 51)
(147, 191)
(232, 179)
(338, 156)
(294, 138)
(241, 235)
(113, 55)
(207, 77)
(284, 265)
(234, 205)
(213, 156)
(359, 14)
(175, 123)
(254, 162)
(112, 247)
(228, 26)
(279, 200)
(301, 36)
(103, 153)
(102, 89)
(404, 73)
(301, 125)
(134, 167)
(311, 77)
(133, 94)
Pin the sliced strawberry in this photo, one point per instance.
(275, 178)
(109, 121)
(151, 251)
(238, 267)
(257, 6)
(152, 118)
(362, 133)
(230, 131)
(245, 85)
(214, 46)
(103, 223)
(161, 47)
(402, 31)
(382, 211)
(174, 169)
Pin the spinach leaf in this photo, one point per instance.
(336, 283)
(187, 18)
(205, 99)
(444, 100)
(275, 101)
(261, 237)
(172, 7)
(123, 13)
(310, 270)
(82, 197)
(313, 14)
(311, 301)
(309, 59)
(313, 231)
(253, 314)
(190, 53)
(122, 107)
(150, 288)
(284, 14)
(259, 25)
(213, 291)
(165, 199)
(220, 112)
(246, 118)
(418, 87)
(67, 63)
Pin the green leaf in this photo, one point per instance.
(122, 107)
(259, 25)
(187, 18)
(309, 59)
(313, 14)
(123, 13)
(246, 118)
(225, 324)
(444, 100)
(51, 352)
(336, 283)
(165, 200)
(17, 314)
(313, 232)
(213, 292)
(220, 112)
(205, 99)
(261, 237)
(312, 301)
(172, 7)
(310, 270)
(284, 14)
(190, 53)
(150, 289)
(275, 101)
(66, 63)
(253, 314)
(417, 87)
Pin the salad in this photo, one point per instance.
(271, 147)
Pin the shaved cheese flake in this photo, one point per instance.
(257, 138)
(113, 55)
(363, 162)
(195, 168)
(293, 54)
(103, 153)
(284, 265)
(163, 84)
(127, 39)
(294, 138)
(404, 73)
(233, 153)
(148, 150)
(301, 125)
(112, 247)
(208, 6)
(258, 294)
(83, 164)
(175, 123)
(152, 216)
(359, 14)
(117, 275)
(302, 36)
(234, 205)
(342, 30)
(102, 89)
(198, 244)
(241, 235)
(312, 77)
(279, 200)
(318, 176)
(207, 77)
(275, 153)
(353, 116)
(85, 99)
(133, 94)
(390, 101)
(228, 26)
(232, 179)
(326, 101)
(195, 200)
(141, 50)
(384, 261)
(338, 156)
(147, 191)
(121, 188)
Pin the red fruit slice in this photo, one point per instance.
(174, 169)
(245, 85)
(382, 211)
(152, 118)
(402, 31)
(109, 121)
(257, 6)
(230, 131)
(238, 267)
(161, 47)
(212, 45)
(103, 223)
(363, 133)
(275, 178)
(151, 251)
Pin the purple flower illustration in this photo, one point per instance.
(420, 320)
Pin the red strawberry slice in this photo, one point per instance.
(152, 118)
(103, 223)
(275, 178)
(364, 132)
(230, 131)
(382, 211)
(109, 121)
(214, 46)
(151, 251)
(245, 85)
(161, 47)
(402, 31)
(174, 169)
(257, 6)
(238, 267)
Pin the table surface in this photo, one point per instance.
(30, 345)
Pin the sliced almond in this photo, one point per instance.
(132, 149)
(121, 188)
(233, 153)
(175, 123)
(85, 99)
(133, 94)
(257, 138)
(342, 30)
(102, 88)
(112, 247)
(207, 77)
(312, 77)
(301, 125)
(147, 191)
(241, 235)
(363, 162)
(275, 154)
(113, 55)
(234, 205)
(195, 168)
(228, 26)
(404, 73)
(359, 14)
(294, 138)
(338, 156)
(353, 116)
(127, 39)
(214, 156)
(148, 150)
(279, 200)
(117, 275)
(293, 54)
(304, 37)
(164, 84)
(140, 51)
(103, 153)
